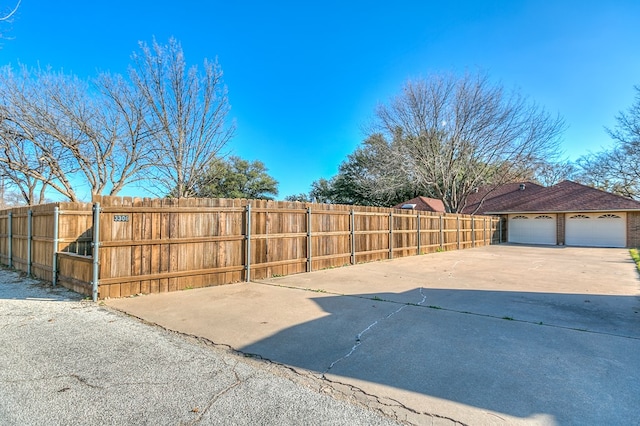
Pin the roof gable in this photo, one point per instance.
(424, 204)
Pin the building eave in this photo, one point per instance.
(559, 211)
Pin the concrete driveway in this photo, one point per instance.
(496, 335)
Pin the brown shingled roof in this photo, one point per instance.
(500, 198)
(424, 204)
(566, 196)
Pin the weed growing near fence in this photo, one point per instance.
(635, 255)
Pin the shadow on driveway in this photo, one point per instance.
(499, 334)
(574, 357)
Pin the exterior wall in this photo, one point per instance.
(560, 232)
(633, 229)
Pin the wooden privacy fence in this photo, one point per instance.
(51, 242)
(121, 246)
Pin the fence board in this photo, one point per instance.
(31, 248)
(159, 245)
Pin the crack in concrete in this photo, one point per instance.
(84, 381)
(385, 406)
(370, 326)
(450, 274)
(393, 403)
(80, 379)
(16, 324)
(217, 396)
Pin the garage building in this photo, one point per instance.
(564, 214)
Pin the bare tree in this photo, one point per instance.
(125, 141)
(598, 171)
(58, 131)
(625, 157)
(30, 152)
(627, 130)
(187, 111)
(617, 169)
(7, 16)
(610, 170)
(14, 178)
(61, 131)
(457, 133)
(548, 173)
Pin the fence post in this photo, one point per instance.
(458, 230)
(54, 261)
(247, 236)
(418, 228)
(484, 231)
(10, 239)
(473, 231)
(441, 233)
(390, 235)
(95, 251)
(308, 239)
(29, 236)
(352, 225)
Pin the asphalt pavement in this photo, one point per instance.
(68, 361)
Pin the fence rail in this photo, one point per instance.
(36, 239)
(121, 246)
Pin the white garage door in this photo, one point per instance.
(596, 230)
(532, 229)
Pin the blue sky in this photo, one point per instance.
(305, 77)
